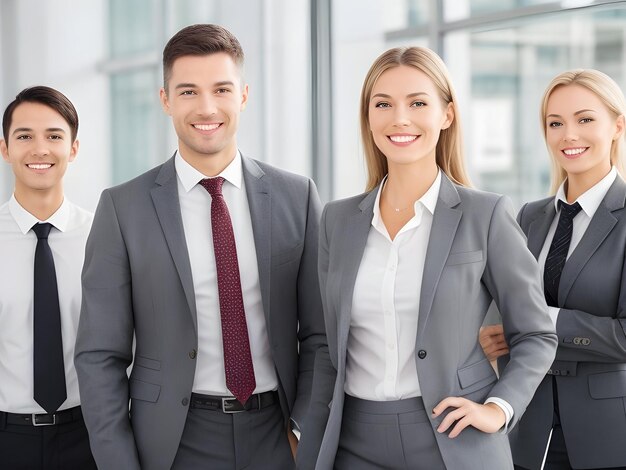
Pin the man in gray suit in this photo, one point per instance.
(209, 261)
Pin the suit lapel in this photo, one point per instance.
(354, 239)
(538, 229)
(259, 201)
(599, 228)
(445, 223)
(167, 206)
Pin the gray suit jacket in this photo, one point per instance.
(137, 281)
(590, 366)
(476, 253)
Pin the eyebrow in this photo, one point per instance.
(193, 85)
(575, 114)
(410, 95)
(28, 129)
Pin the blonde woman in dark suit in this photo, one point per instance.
(577, 417)
(407, 273)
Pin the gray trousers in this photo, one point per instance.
(387, 435)
(250, 440)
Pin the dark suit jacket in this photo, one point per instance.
(137, 281)
(590, 366)
(476, 253)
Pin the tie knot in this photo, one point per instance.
(213, 185)
(569, 210)
(42, 230)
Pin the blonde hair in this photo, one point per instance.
(605, 88)
(449, 151)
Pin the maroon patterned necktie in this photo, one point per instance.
(237, 357)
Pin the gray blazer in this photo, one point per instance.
(476, 253)
(137, 282)
(590, 366)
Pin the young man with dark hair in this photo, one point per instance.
(42, 243)
(210, 262)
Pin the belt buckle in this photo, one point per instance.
(37, 423)
(225, 402)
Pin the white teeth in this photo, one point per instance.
(206, 127)
(39, 166)
(402, 138)
(572, 152)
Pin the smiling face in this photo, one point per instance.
(406, 116)
(205, 97)
(38, 148)
(580, 130)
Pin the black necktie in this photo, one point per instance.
(558, 252)
(49, 371)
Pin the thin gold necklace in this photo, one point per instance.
(396, 209)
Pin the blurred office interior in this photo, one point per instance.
(305, 63)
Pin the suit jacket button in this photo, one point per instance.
(193, 353)
(185, 401)
(556, 372)
(421, 354)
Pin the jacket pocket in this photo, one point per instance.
(608, 385)
(479, 372)
(145, 391)
(464, 257)
(146, 362)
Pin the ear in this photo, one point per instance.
(449, 117)
(165, 104)
(4, 149)
(619, 127)
(244, 97)
(74, 150)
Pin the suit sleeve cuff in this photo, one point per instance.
(554, 314)
(508, 411)
(295, 428)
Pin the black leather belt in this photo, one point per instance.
(60, 417)
(232, 405)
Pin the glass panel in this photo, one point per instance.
(462, 9)
(137, 145)
(501, 76)
(134, 26)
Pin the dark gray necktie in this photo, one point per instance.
(49, 372)
(558, 252)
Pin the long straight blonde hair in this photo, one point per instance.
(449, 150)
(605, 88)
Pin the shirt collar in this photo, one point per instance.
(189, 176)
(591, 199)
(428, 200)
(25, 220)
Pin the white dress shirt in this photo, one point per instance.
(195, 207)
(590, 200)
(17, 251)
(380, 362)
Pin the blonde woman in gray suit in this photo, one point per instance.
(408, 270)
(578, 235)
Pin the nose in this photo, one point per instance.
(570, 134)
(400, 117)
(206, 106)
(41, 148)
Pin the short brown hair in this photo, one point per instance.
(200, 39)
(449, 150)
(43, 95)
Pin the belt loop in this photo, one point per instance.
(3, 420)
